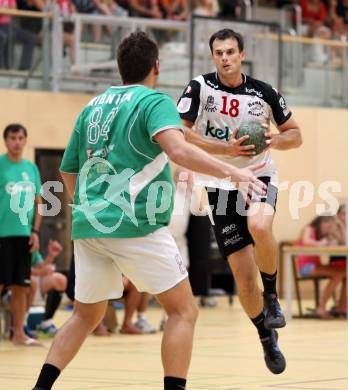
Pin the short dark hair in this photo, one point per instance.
(14, 128)
(224, 34)
(317, 221)
(136, 55)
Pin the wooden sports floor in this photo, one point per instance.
(227, 356)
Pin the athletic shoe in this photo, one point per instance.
(274, 317)
(274, 359)
(48, 331)
(30, 333)
(145, 326)
(208, 302)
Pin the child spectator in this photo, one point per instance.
(319, 233)
(52, 284)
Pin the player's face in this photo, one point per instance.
(15, 142)
(227, 57)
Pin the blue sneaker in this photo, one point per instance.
(30, 333)
(48, 331)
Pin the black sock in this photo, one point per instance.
(259, 322)
(47, 377)
(172, 383)
(52, 303)
(269, 282)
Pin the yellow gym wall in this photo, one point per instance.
(49, 118)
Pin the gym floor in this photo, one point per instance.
(227, 356)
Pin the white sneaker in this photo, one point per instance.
(145, 326)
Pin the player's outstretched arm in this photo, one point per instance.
(192, 157)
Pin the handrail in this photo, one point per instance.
(317, 250)
(162, 24)
(29, 14)
(304, 40)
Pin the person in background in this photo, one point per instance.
(13, 34)
(52, 284)
(20, 221)
(342, 12)
(174, 9)
(206, 8)
(3, 45)
(320, 233)
(230, 9)
(142, 323)
(34, 25)
(145, 9)
(339, 232)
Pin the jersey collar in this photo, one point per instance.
(234, 90)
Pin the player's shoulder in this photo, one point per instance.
(206, 80)
(152, 96)
(30, 164)
(259, 88)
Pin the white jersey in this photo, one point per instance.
(216, 110)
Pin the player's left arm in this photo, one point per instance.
(289, 134)
(69, 180)
(70, 165)
(288, 137)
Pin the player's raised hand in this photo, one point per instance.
(234, 148)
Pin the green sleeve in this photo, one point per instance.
(70, 162)
(160, 114)
(36, 258)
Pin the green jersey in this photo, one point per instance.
(124, 186)
(19, 184)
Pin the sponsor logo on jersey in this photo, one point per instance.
(213, 132)
(210, 105)
(184, 105)
(188, 90)
(212, 85)
(256, 108)
(13, 188)
(253, 91)
(283, 106)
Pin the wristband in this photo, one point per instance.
(35, 231)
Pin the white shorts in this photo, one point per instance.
(152, 263)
